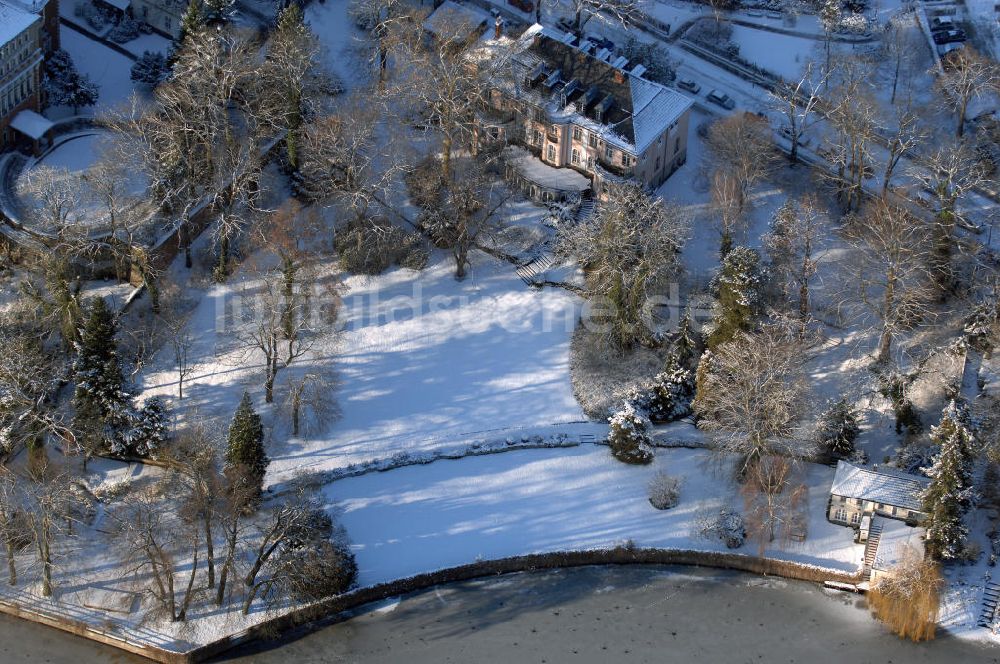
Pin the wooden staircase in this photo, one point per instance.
(871, 548)
(991, 595)
(536, 266)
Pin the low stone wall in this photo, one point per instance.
(337, 607)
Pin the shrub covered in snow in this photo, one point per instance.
(628, 437)
(319, 570)
(94, 17)
(371, 246)
(664, 491)
(725, 524)
(125, 31)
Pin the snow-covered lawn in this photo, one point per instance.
(779, 54)
(108, 69)
(424, 518)
(424, 361)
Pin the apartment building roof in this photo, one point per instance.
(579, 79)
(14, 19)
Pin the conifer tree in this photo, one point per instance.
(672, 391)
(839, 428)
(245, 450)
(628, 437)
(738, 298)
(102, 404)
(950, 493)
(686, 346)
(290, 56)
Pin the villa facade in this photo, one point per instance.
(857, 493)
(576, 106)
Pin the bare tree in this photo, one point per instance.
(279, 327)
(899, 47)
(796, 229)
(628, 249)
(467, 210)
(728, 205)
(12, 520)
(854, 116)
(774, 501)
(740, 146)
(28, 377)
(751, 399)
(625, 12)
(442, 86)
(389, 24)
(966, 76)
(291, 524)
(54, 196)
(889, 269)
(47, 517)
(797, 102)
(196, 457)
(952, 171)
(907, 136)
(311, 401)
(155, 543)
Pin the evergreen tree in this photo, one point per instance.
(950, 493)
(738, 298)
(290, 53)
(65, 86)
(685, 346)
(149, 432)
(702, 382)
(672, 391)
(217, 11)
(150, 69)
(245, 450)
(101, 402)
(838, 429)
(192, 22)
(628, 438)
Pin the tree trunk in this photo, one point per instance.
(209, 547)
(220, 594)
(182, 616)
(11, 568)
(46, 551)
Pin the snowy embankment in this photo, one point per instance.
(421, 519)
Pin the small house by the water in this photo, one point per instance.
(857, 493)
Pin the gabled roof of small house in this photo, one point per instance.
(888, 488)
(451, 19)
(598, 86)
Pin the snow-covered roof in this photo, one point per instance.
(452, 19)
(14, 19)
(534, 170)
(596, 90)
(31, 124)
(899, 490)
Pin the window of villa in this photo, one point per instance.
(577, 134)
(626, 160)
(677, 144)
(609, 153)
(855, 517)
(593, 141)
(552, 153)
(657, 163)
(576, 156)
(840, 515)
(590, 163)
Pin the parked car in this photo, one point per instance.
(567, 25)
(688, 84)
(942, 23)
(948, 36)
(945, 49)
(723, 100)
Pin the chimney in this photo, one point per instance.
(498, 28)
